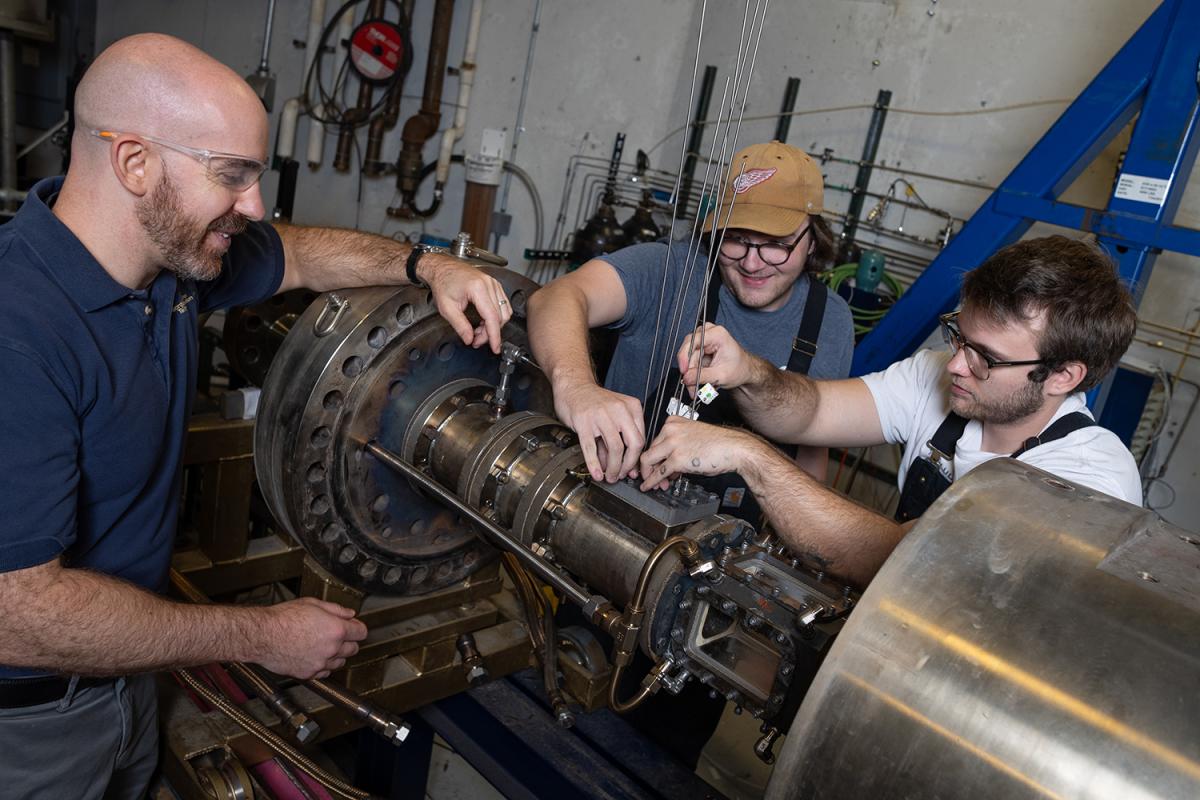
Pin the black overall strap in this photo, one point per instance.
(925, 482)
(1063, 426)
(944, 441)
(804, 345)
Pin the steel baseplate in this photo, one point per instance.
(657, 514)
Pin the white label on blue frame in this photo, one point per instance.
(1142, 188)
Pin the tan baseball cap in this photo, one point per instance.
(775, 191)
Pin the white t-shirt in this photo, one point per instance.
(912, 399)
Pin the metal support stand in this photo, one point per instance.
(863, 179)
(1153, 77)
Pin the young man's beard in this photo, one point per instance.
(1017, 406)
(182, 240)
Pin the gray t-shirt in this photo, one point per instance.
(767, 334)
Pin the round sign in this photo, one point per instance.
(376, 50)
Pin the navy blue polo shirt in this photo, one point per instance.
(96, 384)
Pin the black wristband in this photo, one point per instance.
(410, 268)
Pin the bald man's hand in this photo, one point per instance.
(456, 286)
(309, 638)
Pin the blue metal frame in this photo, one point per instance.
(1154, 76)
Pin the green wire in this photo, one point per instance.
(864, 319)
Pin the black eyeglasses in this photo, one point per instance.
(735, 248)
(979, 362)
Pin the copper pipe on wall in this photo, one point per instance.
(478, 202)
(357, 115)
(421, 126)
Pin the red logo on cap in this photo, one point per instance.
(751, 177)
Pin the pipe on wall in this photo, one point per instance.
(466, 80)
(424, 124)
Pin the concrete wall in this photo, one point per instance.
(598, 69)
(624, 66)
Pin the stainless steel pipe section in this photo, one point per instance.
(1029, 638)
(500, 537)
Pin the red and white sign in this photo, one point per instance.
(751, 177)
(376, 50)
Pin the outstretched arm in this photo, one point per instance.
(850, 541)
(76, 621)
(782, 405)
(610, 426)
(323, 259)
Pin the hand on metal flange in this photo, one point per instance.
(609, 425)
(455, 286)
(310, 638)
(693, 448)
(722, 361)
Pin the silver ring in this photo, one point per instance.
(503, 302)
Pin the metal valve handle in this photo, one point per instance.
(462, 247)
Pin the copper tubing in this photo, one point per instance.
(420, 127)
(270, 738)
(632, 624)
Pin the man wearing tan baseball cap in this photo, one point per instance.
(769, 234)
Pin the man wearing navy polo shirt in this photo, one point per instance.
(102, 276)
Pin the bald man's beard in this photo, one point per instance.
(182, 241)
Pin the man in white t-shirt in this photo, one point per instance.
(1042, 321)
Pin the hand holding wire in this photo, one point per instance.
(711, 355)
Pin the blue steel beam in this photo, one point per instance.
(1117, 229)
(1085, 128)
(1162, 148)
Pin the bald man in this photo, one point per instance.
(102, 276)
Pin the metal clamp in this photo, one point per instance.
(327, 320)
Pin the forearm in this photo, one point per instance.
(848, 540)
(778, 403)
(322, 259)
(558, 336)
(76, 621)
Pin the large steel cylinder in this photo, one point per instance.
(355, 367)
(1029, 638)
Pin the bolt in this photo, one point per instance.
(786, 669)
(307, 729)
(712, 694)
(501, 478)
(676, 589)
(780, 638)
(731, 695)
(754, 620)
(702, 590)
(558, 512)
(745, 545)
(737, 710)
(677, 634)
(477, 675)
(776, 591)
(395, 733)
(728, 607)
(685, 605)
